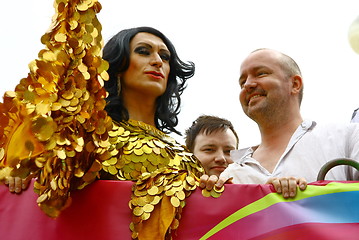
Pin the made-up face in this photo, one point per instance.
(213, 150)
(149, 67)
(265, 88)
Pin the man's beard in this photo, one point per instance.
(267, 111)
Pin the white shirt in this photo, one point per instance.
(355, 117)
(310, 147)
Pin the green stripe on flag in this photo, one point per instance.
(273, 198)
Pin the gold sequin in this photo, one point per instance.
(175, 201)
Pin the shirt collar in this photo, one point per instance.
(241, 154)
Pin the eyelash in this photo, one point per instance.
(142, 51)
(262, 73)
(165, 56)
(258, 74)
(145, 51)
(228, 152)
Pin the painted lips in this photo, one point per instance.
(155, 74)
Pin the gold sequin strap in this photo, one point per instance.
(57, 111)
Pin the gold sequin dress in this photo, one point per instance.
(54, 127)
(164, 172)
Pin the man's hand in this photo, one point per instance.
(287, 186)
(208, 182)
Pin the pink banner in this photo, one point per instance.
(100, 211)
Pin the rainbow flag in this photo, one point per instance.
(325, 210)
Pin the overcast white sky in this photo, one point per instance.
(217, 36)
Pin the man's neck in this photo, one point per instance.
(272, 134)
(275, 139)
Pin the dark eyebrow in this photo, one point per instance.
(208, 145)
(230, 147)
(145, 44)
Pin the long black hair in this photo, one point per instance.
(117, 53)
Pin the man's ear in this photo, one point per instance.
(297, 84)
